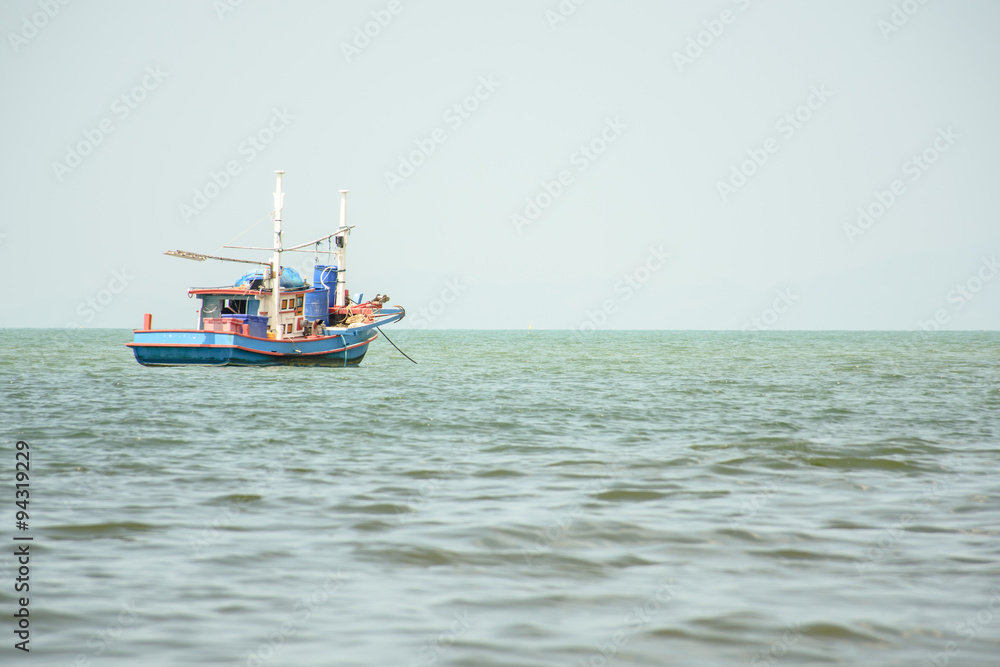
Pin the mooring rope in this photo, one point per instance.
(393, 344)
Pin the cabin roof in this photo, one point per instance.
(236, 291)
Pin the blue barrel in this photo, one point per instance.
(316, 305)
(258, 326)
(325, 276)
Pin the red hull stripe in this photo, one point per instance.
(227, 333)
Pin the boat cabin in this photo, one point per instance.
(230, 310)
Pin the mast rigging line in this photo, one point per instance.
(199, 257)
(264, 217)
(294, 247)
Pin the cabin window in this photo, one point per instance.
(298, 302)
(284, 304)
(235, 307)
(210, 307)
(288, 328)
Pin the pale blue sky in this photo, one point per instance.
(444, 241)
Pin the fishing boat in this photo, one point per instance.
(271, 316)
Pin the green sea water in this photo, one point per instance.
(516, 498)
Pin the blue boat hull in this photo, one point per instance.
(209, 348)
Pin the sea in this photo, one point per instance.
(535, 498)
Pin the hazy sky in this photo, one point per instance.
(674, 165)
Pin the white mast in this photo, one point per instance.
(341, 253)
(279, 198)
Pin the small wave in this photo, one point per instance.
(499, 472)
(235, 498)
(836, 631)
(376, 508)
(865, 463)
(740, 534)
(121, 529)
(630, 495)
(800, 554)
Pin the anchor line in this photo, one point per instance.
(393, 344)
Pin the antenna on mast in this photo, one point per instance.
(341, 252)
(279, 200)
